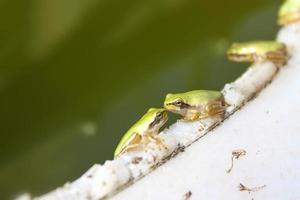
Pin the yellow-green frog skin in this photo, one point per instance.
(196, 104)
(289, 12)
(144, 129)
(258, 51)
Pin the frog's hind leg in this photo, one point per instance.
(215, 108)
(133, 145)
(212, 109)
(278, 57)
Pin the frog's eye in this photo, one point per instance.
(178, 103)
(159, 115)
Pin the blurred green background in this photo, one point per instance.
(75, 74)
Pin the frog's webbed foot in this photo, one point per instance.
(194, 115)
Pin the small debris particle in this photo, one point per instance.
(179, 149)
(103, 183)
(236, 154)
(201, 129)
(187, 195)
(88, 197)
(136, 160)
(254, 189)
(90, 176)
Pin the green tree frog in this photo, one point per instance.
(196, 104)
(143, 130)
(289, 12)
(258, 51)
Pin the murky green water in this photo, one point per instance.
(75, 74)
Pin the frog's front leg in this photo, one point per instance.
(134, 147)
(154, 138)
(191, 115)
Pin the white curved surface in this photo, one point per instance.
(268, 128)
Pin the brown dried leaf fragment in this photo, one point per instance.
(236, 154)
(187, 195)
(254, 189)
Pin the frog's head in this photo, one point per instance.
(151, 122)
(156, 118)
(176, 103)
(241, 52)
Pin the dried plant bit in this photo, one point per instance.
(136, 160)
(196, 104)
(289, 12)
(254, 189)
(258, 51)
(143, 131)
(177, 150)
(236, 154)
(187, 195)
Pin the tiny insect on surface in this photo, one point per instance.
(196, 104)
(289, 12)
(143, 130)
(258, 51)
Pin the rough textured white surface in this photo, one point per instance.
(290, 36)
(258, 128)
(250, 83)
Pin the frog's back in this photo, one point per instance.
(123, 142)
(261, 47)
(204, 96)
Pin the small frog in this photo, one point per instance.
(289, 12)
(258, 51)
(144, 130)
(196, 104)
